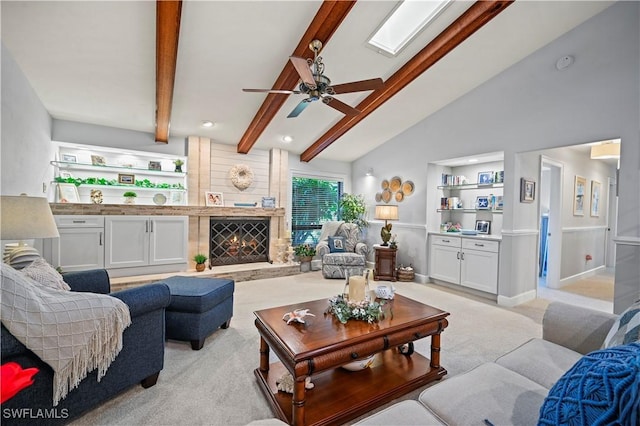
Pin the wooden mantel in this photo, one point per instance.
(149, 210)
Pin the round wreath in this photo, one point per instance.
(241, 176)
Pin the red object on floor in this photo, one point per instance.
(13, 378)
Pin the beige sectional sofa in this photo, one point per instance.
(511, 390)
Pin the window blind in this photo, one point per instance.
(314, 202)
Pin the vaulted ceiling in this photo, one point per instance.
(95, 62)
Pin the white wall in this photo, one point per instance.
(26, 148)
(534, 106)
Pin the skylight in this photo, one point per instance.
(403, 24)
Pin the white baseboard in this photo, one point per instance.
(577, 277)
(510, 302)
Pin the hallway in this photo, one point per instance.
(595, 292)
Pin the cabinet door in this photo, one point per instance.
(479, 270)
(168, 240)
(445, 263)
(79, 249)
(126, 241)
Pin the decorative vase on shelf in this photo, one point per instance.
(129, 200)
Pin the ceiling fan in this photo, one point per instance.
(318, 86)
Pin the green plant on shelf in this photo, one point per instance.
(129, 194)
(143, 183)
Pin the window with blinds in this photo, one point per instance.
(314, 202)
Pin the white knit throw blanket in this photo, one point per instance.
(74, 333)
(329, 229)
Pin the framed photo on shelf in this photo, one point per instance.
(485, 178)
(126, 179)
(482, 202)
(578, 195)
(527, 190)
(483, 226)
(98, 160)
(595, 198)
(499, 202)
(213, 199)
(269, 202)
(68, 193)
(177, 198)
(69, 158)
(155, 165)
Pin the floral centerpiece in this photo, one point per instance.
(363, 310)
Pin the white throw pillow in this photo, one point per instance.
(43, 273)
(626, 329)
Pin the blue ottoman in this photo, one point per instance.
(198, 307)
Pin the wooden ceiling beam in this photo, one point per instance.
(328, 18)
(468, 23)
(168, 14)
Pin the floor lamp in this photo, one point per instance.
(24, 218)
(386, 212)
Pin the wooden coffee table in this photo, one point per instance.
(320, 346)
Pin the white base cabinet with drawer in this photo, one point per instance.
(81, 243)
(470, 262)
(133, 241)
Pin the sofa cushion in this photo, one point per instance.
(336, 245)
(626, 329)
(43, 273)
(404, 413)
(541, 361)
(601, 388)
(488, 392)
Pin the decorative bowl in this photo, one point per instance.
(360, 364)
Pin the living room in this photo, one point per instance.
(529, 107)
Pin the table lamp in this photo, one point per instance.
(386, 212)
(24, 218)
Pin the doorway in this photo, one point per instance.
(550, 223)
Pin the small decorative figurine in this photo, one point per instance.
(297, 316)
(285, 383)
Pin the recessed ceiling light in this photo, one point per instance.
(287, 139)
(473, 160)
(207, 123)
(403, 24)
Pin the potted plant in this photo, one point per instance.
(129, 197)
(305, 252)
(353, 210)
(178, 164)
(200, 259)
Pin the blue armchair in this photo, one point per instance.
(140, 361)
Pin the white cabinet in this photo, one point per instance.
(81, 243)
(469, 262)
(132, 241)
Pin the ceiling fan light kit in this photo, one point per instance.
(317, 86)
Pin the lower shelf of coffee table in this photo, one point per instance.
(340, 395)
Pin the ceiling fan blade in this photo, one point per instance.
(284, 92)
(302, 67)
(299, 108)
(358, 86)
(340, 106)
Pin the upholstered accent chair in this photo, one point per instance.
(340, 250)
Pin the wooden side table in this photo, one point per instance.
(385, 268)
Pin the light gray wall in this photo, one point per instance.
(534, 106)
(26, 147)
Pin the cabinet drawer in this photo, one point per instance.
(480, 245)
(445, 240)
(73, 221)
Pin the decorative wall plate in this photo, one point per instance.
(159, 199)
(399, 196)
(385, 184)
(386, 195)
(378, 197)
(408, 187)
(395, 183)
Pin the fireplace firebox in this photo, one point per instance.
(234, 240)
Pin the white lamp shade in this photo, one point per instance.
(606, 150)
(389, 212)
(23, 218)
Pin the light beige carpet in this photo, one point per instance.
(216, 385)
(597, 287)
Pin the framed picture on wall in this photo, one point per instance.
(527, 190)
(213, 199)
(595, 198)
(578, 195)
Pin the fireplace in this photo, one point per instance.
(234, 240)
